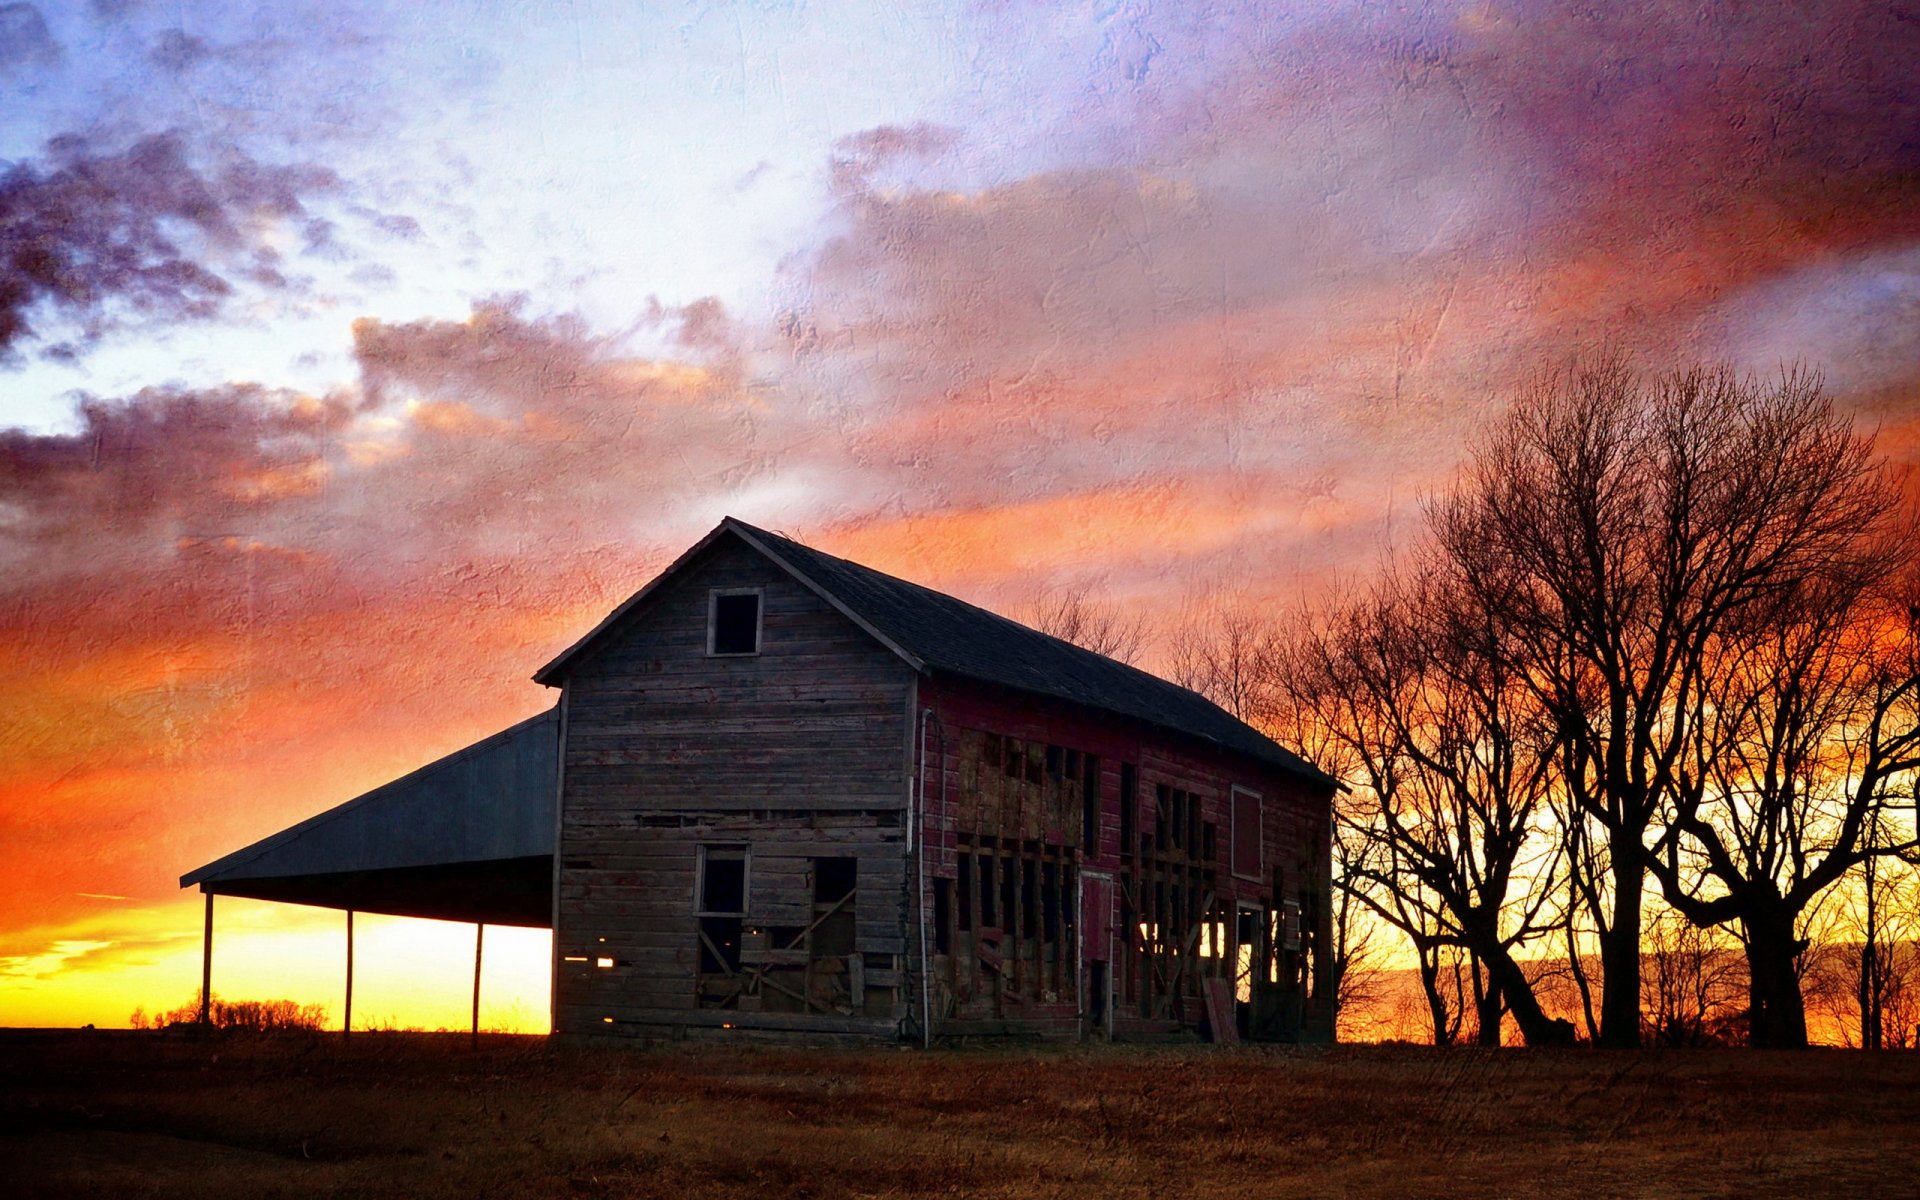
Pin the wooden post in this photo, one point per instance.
(346, 1023)
(206, 967)
(479, 935)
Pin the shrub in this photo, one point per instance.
(261, 1016)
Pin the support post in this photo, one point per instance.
(346, 1022)
(479, 936)
(206, 966)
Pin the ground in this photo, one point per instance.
(132, 1114)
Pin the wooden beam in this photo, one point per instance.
(206, 967)
(346, 1022)
(479, 935)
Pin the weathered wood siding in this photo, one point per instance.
(979, 808)
(799, 754)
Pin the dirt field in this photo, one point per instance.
(124, 1114)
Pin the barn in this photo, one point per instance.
(790, 793)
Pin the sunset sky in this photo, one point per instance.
(356, 358)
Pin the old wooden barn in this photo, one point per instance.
(791, 793)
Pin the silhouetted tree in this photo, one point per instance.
(1866, 975)
(259, 1016)
(1451, 766)
(1692, 984)
(1224, 647)
(1623, 527)
(1076, 615)
(1807, 736)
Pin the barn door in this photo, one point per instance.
(1096, 952)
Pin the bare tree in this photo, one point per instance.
(1624, 526)
(1224, 647)
(1357, 955)
(1075, 615)
(1866, 975)
(1452, 769)
(1807, 738)
(1693, 983)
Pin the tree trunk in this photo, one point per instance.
(1436, 1003)
(1871, 1030)
(1487, 1007)
(1511, 984)
(1620, 949)
(1777, 1013)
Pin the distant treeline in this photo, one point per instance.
(266, 1016)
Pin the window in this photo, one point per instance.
(733, 621)
(720, 906)
(1246, 833)
(723, 882)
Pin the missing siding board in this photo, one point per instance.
(1247, 862)
(1090, 807)
(942, 907)
(834, 879)
(1019, 959)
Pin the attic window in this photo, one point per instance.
(733, 621)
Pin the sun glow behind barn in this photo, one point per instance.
(469, 837)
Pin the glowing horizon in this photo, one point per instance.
(445, 330)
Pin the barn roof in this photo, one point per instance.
(468, 837)
(936, 632)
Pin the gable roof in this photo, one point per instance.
(934, 632)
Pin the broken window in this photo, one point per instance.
(1129, 808)
(733, 621)
(831, 962)
(834, 879)
(723, 881)
(810, 968)
(720, 906)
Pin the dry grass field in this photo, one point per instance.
(124, 1114)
